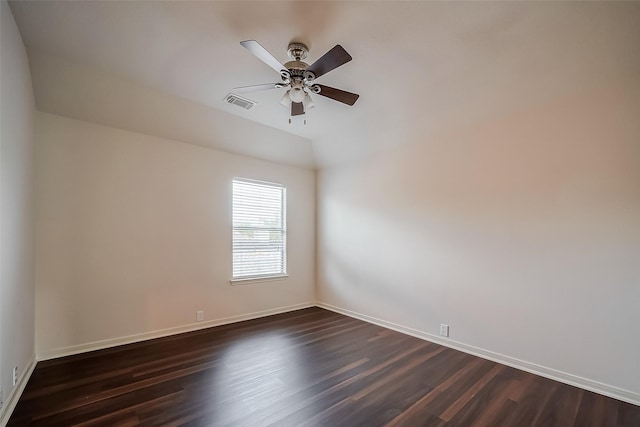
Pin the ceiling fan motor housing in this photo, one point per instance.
(297, 68)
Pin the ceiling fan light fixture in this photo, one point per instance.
(297, 94)
(307, 102)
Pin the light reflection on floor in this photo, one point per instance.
(254, 372)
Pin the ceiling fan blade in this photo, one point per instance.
(297, 109)
(330, 61)
(338, 94)
(263, 54)
(256, 88)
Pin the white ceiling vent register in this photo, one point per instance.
(245, 103)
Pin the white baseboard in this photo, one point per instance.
(16, 392)
(563, 377)
(99, 345)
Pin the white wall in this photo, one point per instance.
(17, 113)
(133, 235)
(522, 234)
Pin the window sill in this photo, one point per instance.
(251, 280)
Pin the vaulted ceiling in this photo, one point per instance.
(164, 68)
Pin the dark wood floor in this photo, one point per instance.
(310, 367)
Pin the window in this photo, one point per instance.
(259, 229)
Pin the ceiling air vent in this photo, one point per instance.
(239, 101)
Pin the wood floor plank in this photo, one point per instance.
(490, 401)
(470, 393)
(307, 367)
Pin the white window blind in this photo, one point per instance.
(259, 229)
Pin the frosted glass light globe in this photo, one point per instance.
(296, 94)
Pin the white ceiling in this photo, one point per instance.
(163, 68)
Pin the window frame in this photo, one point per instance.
(283, 214)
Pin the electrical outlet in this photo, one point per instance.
(444, 330)
(199, 315)
(15, 375)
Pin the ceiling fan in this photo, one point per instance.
(299, 77)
